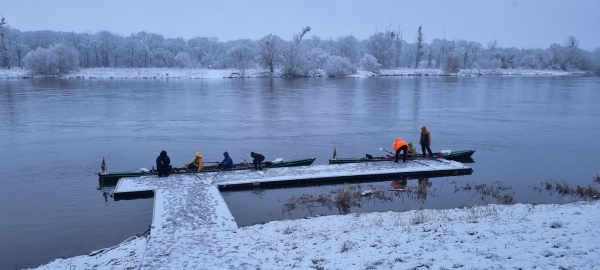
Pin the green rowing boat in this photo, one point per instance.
(111, 179)
(445, 154)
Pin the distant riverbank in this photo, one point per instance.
(198, 73)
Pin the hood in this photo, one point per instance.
(163, 153)
(198, 154)
(252, 154)
(226, 154)
(424, 130)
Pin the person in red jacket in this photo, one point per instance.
(398, 145)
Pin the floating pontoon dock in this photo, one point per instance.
(188, 211)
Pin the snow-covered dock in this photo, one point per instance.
(355, 172)
(189, 209)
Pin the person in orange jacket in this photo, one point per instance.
(425, 141)
(196, 164)
(398, 145)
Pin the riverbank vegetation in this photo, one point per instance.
(50, 53)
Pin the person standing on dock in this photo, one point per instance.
(400, 144)
(257, 159)
(163, 164)
(425, 141)
(227, 162)
(196, 164)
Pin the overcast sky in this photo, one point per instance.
(519, 23)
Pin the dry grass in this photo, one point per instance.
(584, 192)
(349, 196)
(496, 190)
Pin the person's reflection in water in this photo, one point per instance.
(399, 184)
(422, 188)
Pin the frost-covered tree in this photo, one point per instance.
(198, 48)
(216, 54)
(18, 47)
(183, 60)
(369, 63)
(295, 56)
(596, 59)
(347, 46)
(338, 66)
(419, 46)
(380, 46)
(57, 60)
(317, 58)
(241, 55)
(452, 64)
(4, 28)
(172, 47)
(269, 51)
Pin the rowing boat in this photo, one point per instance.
(462, 155)
(111, 179)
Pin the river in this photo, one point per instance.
(54, 134)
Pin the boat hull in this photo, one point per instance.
(111, 179)
(454, 155)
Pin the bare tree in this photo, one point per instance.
(452, 64)
(298, 37)
(419, 46)
(294, 56)
(270, 51)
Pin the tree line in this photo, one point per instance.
(53, 52)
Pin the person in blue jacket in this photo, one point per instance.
(227, 162)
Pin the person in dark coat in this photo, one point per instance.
(163, 164)
(425, 141)
(227, 162)
(257, 159)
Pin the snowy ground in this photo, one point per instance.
(186, 236)
(196, 73)
(518, 236)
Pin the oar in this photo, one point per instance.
(198, 177)
(211, 180)
(247, 164)
(386, 151)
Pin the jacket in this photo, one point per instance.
(425, 136)
(399, 142)
(227, 161)
(257, 156)
(198, 162)
(163, 161)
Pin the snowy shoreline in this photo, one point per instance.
(520, 236)
(196, 73)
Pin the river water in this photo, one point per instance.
(54, 134)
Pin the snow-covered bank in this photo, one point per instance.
(518, 236)
(195, 73)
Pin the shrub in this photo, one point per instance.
(452, 64)
(369, 63)
(57, 60)
(338, 66)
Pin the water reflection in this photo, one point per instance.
(350, 196)
(589, 192)
(496, 190)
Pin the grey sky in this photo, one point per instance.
(519, 23)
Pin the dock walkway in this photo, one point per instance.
(189, 213)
